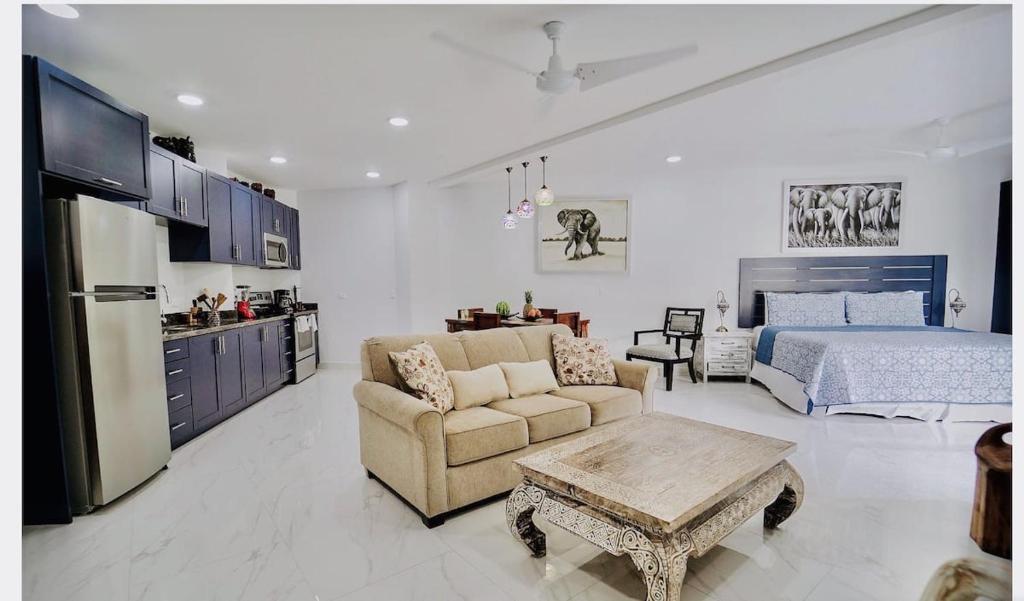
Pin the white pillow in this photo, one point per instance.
(478, 387)
(533, 377)
(885, 308)
(805, 309)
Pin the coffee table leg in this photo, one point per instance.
(662, 562)
(519, 508)
(787, 502)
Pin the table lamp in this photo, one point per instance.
(722, 306)
(956, 304)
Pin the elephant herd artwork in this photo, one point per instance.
(583, 236)
(842, 214)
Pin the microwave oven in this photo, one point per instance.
(275, 251)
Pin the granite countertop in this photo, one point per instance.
(177, 332)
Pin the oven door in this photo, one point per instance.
(305, 343)
(275, 250)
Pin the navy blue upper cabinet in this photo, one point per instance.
(89, 136)
(293, 241)
(179, 188)
(268, 215)
(244, 224)
(232, 235)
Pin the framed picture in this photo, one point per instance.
(584, 235)
(842, 214)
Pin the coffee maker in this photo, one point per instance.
(283, 301)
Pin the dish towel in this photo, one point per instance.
(312, 322)
(301, 324)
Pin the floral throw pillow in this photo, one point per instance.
(581, 361)
(422, 372)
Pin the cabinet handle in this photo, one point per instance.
(287, 353)
(176, 426)
(108, 181)
(289, 371)
(184, 201)
(175, 372)
(172, 351)
(176, 397)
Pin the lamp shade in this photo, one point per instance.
(544, 197)
(525, 209)
(509, 221)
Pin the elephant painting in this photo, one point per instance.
(583, 235)
(580, 224)
(842, 215)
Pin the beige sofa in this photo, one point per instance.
(441, 462)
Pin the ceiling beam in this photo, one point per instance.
(852, 40)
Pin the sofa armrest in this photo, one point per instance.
(638, 376)
(401, 440)
(404, 410)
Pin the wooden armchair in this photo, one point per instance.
(680, 324)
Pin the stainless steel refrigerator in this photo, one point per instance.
(101, 262)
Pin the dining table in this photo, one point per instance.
(455, 324)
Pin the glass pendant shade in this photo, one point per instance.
(525, 209)
(544, 197)
(509, 220)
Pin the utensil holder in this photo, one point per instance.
(213, 318)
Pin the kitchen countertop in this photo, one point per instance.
(179, 332)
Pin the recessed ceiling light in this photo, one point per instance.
(675, 158)
(278, 160)
(64, 11)
(190, 99)
(373, 174)
(398, 121)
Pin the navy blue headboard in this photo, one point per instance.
(926, 273)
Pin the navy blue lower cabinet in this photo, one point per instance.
(272, 354)
(203, 352)
(252, 358)
(231, 373)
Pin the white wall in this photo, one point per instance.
(689, 229)
(349, 266)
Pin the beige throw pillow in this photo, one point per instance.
(424, 375)
(582, 361)
(533, 377)
(478, 387)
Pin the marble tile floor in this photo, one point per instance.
(274, 505)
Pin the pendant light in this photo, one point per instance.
(509, 220)
(525, 208)
(544, 197)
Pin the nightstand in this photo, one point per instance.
(727, 354)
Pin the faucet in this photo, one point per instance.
(163, 316)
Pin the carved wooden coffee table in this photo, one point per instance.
(659, 488)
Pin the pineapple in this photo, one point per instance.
(528, 307)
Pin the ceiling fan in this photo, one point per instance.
(943, 151)
(557, 80)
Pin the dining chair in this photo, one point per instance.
(486, 321)
(549, 313)
(571, 319)
(680, 323)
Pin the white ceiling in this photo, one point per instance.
(317, 83)
(838, 109)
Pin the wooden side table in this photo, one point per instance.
(991, 520)
(727, 354)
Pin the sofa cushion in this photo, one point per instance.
(531, 377)
(537, 340)
(607, 403)
(582, 361)
(479, 432)
(486, 347)
(478, 387)
(377, 364)
(547, 416)
(421, 371)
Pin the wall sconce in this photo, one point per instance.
(956, 304)
(722, 306)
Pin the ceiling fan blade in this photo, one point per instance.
(966, 150)
(594, 74)
(913, 153)
(477, 53)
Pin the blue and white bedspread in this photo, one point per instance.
(869, 364)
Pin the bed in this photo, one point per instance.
(924, 371)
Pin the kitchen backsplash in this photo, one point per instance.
(185, 281)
